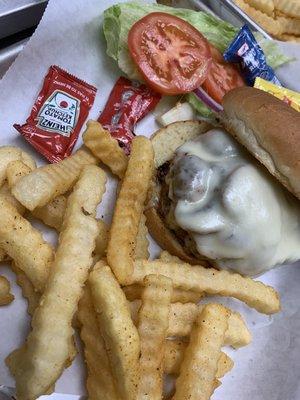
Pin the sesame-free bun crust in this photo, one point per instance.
(269, 129)
(165, 141)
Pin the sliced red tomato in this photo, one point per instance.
(172, 56)
(222, 77)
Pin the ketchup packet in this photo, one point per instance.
(245, 51)
(58, 114)
(128, 102)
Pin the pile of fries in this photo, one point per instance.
(140, 320)
(280, 18)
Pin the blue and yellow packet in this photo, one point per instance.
(245, 51)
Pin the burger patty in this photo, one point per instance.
(166, 213)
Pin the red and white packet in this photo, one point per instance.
(58, 114)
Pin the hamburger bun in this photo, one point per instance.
(269, 129)
(266, 126)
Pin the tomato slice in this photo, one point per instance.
(222, 77)
(172, 56)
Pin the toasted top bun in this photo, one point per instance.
(269, 129)
(165, 141)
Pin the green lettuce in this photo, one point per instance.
(199, 106)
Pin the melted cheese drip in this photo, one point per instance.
(238, 215)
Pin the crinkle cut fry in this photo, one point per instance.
(28, 291)
(47, 349)
(105, 147)
(120, 335)
(129, 208)
(152, 326)
(52, 213)
(9, 154)
(174, 353)
(133, 292)
(45, 183)
(14, 171)
(182, 318)
(25, 245)
(100, 383)
(255, 294)
(196, 380)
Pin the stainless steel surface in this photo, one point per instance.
(18, 15)
(8, 55)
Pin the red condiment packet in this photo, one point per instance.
(58, 114)
(128, 102)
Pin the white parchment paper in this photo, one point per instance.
(70, 36)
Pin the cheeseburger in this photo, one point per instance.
(229, 196)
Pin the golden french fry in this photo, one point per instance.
(133, 292)
(129, 209)
(182, 318)
(9, 154)
(255, 294)
(16, 170)
(46, 183)
(288, 7)
(200, 362)
(142, 244)
(120, 335)
(102, 239)
(47, 349)
(152, 327)
(265, 6)
(174, 353)
(290, 26)
(5, 296)
(100, 383)
(271, 25)
(105, 147)
(52, 214)
(289, 38)
(6, 194)
(28, 291)
(25, 245)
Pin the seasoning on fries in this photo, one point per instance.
(46, 183)
(25, 245)
(199, 367)
(153, 321)
(120, 335)
(105, 147)
(9, 154)
(211, 281)
(28, 290)
(100, 383)
(47, 350)
(174, 354)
